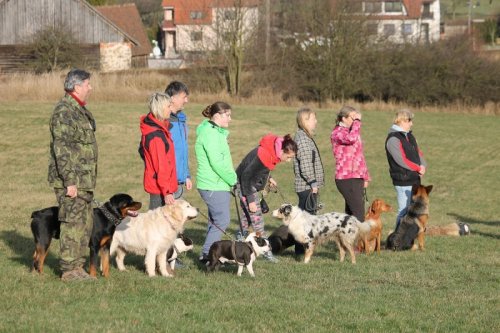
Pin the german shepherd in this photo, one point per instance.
(413, 224)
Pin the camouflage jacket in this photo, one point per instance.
(73, 147)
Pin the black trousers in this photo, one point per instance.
(307, 202)
(353, 192)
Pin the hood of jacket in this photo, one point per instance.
(267, 151)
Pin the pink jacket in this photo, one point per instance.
(348, 152)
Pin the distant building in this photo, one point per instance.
(190, 26)
(104, 43)
(127, 18)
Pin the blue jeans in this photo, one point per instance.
(403, 194)
(218, 203)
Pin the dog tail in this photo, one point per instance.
(365, 227)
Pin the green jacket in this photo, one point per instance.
(215, 166)
(73, 147)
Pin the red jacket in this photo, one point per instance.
(160, 176)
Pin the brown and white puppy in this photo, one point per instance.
(152, 234)
(412, 226)
(241, 253)
(181, 244)
(452, 229)
(371, 241)
(312, 230)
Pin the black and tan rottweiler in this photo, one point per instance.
(45, 225)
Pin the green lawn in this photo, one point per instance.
(452, 286)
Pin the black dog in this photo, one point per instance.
(281, 239)
(241, 253)
(45, 225)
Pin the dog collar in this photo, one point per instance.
(109, 215)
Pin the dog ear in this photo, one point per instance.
(428, 189)
(414, 189)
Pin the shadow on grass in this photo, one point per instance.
(471, 222)
(23, 248)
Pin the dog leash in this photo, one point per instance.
(365, 195)
(215, 225)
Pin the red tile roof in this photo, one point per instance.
(127, 18)
(183, 9)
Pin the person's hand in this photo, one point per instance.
(272, 183)
(71, 191)
(422, 170)
(356, 116)
(252, 207)
(314, 190)
(366, 183)
(189, 184)
(169, 199)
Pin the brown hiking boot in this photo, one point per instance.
(77, 274)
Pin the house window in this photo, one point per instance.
(393, 7)
(196, 15)
(407, 29)
(389, 29)
(229, 15)
(196, 36)
(373, 7)
(372, 28)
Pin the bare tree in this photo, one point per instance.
(53, 48)
(328, 49)
(229, 38)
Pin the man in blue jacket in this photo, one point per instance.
(179, 93)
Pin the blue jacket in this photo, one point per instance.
(179, 132)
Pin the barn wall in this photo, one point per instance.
(20, 19)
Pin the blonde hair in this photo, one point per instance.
(157, 104)
(303, 114)
(344, 112)
(403, 115)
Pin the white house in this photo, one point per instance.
(197, 26)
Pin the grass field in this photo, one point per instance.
(452, 286)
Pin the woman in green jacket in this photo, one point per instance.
(215, 176)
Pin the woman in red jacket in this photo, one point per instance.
(160, 178)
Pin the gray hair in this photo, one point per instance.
(75, 77)
(157, 103)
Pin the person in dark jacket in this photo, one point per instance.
(178, 93)
(254, 172)
(406, 161)
(160, 177)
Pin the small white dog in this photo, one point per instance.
(152, 234)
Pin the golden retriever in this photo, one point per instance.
(152, 234)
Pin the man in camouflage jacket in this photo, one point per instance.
(73, 171)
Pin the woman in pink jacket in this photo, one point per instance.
(351, 172)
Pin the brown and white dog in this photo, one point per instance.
(241, 253)
(152, 234)
(412, 226)
(311, 230)
(371, 241)
(452, 229)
